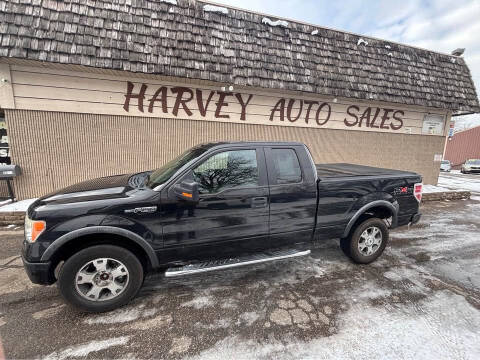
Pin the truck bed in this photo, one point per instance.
(342, 170)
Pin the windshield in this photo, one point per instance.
(445, 162)
(161, 175)
(473, 162)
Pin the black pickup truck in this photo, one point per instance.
(216, 206)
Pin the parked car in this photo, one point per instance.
(471, 166)
(217, 206)
(445, 166)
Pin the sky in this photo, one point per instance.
(438, 25)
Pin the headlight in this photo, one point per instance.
(33, 228)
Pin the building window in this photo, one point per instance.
(433, 124)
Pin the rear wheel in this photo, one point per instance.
(100, 278)
(367, 242)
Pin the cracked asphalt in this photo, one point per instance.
(421, 299)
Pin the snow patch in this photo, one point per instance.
(361, 41)
(215, 324)
(368, 290)
(393, 276)
(314, 32)
(445, 233)
(282, 23)
(120, 316)
(86, 349)
(20, 206)
(453, 60)
(173, 2)
(390, 54)
(199, 302)
(445, 326)
(249, 318)
(216, 9)
(388, 47)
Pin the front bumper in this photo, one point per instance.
(39, 273)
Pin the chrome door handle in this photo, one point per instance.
(258, 202)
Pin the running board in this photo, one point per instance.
(230, 263)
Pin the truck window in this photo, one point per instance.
(227, 169)
(287, 166)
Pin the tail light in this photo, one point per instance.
(417, 191)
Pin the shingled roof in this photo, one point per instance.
(187, 38)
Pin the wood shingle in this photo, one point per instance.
(238, 47)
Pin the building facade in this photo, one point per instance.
(97, 89)
(462, 146)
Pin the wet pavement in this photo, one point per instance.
(421, 299)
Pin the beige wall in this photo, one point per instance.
(56, 149)
(52, 89)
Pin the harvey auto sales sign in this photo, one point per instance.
(212, 105)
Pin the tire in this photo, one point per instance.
(100, 278)
(362, 234)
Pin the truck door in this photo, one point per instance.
(292, 195)
(233, 211)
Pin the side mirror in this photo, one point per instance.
(187, 191)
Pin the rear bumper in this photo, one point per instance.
(415, 218)
(408, 219)
(39, 273)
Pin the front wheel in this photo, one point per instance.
(100, 278)
(367, 242)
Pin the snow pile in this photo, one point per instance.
(5, 202)
(267, 21)
(361, 41)
(216, 9)
(314, 32)
(458, 182)
(429, 189)
(173, 2)
(20, 206)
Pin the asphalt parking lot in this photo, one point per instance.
(421, 299)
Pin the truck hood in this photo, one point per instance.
(108, 187)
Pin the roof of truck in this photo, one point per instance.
(249, 143)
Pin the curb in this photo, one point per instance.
(446, 195)
(12, 218)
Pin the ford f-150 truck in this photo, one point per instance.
(217, 206)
